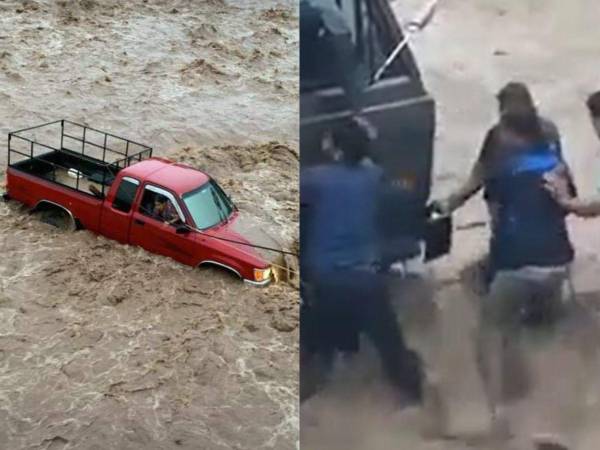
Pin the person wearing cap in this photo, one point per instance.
(530, 249)
(582, 207)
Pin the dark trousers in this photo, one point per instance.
(346, 303)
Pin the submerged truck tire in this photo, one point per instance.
(55, 215)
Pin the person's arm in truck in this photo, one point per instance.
(171, 216)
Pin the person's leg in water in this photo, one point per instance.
(311, 377)
(402, 366)
(517, 299)
(312, 372)
(343, 332)
(499, 337)
(333, 328)
(548, 305)
(347, 303)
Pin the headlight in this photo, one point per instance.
(262, 274)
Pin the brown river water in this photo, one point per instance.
(105, 346)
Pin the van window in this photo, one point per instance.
(370, 44)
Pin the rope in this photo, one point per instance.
(283, 252)
(233, 241)
(286, 269)
(414, 26)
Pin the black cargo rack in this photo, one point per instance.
(94, 154)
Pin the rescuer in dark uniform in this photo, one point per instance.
(339, 259)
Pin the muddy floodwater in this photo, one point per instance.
(470, 50)
(105, 346)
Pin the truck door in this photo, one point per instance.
(150, 230)
(117, 211)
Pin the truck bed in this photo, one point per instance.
(55, 165)
(73, 155)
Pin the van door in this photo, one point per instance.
(398, 107)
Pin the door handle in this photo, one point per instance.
(139, 222)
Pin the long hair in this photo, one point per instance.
(518, 112)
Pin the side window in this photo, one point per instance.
(158, 207)
(377, 44)
(358, 60)
(125, 195)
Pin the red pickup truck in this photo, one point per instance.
(114, 187)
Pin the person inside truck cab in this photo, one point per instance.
(164, 210)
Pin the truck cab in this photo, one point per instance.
(201, 227)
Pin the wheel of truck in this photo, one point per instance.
(57, 217)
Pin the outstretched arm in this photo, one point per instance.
(583, 208)
(559, 184)
(474, 183)
(468, 189)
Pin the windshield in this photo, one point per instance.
(208, 205)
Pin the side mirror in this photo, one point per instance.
(182, 229)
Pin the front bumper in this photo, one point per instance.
(259, 283)
(262, 277)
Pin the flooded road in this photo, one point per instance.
(470, 50)
(105, 346)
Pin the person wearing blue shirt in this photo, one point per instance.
(339, 258)
(530, 249)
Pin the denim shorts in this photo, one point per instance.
(528, 294)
